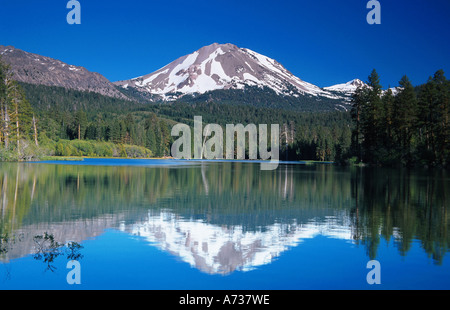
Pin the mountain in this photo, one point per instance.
(222, 67)
(346, 88)
(40, 70)
(221, 73)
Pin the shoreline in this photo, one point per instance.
(82, 158)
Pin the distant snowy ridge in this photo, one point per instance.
(349, 87)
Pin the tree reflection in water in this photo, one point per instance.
(48, 249)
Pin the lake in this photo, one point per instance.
(188, 225)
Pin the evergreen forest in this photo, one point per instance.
(410, 127)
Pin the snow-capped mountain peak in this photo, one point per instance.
(348, 87)
(222, 66)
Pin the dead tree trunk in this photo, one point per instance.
(35, 131)
(6, 133)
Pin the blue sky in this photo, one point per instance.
(323, 42)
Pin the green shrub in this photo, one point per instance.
(8, 154)
(96, 149)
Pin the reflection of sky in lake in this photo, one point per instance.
(224, 226)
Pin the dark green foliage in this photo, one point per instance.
(48, 250)
(410, 128)
(264, 98)
(323, 136)
(433, 118)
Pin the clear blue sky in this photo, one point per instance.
(323, 42)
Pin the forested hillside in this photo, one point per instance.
(39, 121)
(261, 97)
(410, 128)
(73, 115)
(66, 114)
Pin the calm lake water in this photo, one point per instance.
(165, 224)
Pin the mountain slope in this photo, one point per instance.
(222, 67)
(40, 70)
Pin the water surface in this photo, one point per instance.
(166, 224)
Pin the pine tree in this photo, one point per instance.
(5, 97)
(123, 133)
(386, 127)
(153, 137)
(2, 101)
(442, 117)
(427, 121)
(372, 120)
(165, 138)
(405, 119)
(359, 98)
(23, 113)
(99, 128)
(114, 132)
(367, 115)
(150, 142)
(80, 124)
(16, 114)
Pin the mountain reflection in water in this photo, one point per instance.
(222, 217)
(218, 249)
